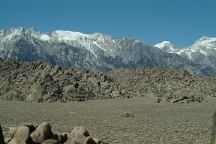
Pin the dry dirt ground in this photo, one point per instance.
(152, 123)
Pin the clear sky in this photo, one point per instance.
(152, 21)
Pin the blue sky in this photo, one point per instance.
(152, 21)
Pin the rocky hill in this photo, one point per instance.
(170, 85)
(41, 82)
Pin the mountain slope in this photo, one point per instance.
(202, 52)
(97, 52)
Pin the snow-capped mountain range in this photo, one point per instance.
(203, 51)
(100, 52)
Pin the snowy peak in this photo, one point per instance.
(203, 48)
(92, 42)
(11, 33)
(14, 34)
(202, 45)
(207, 42)
(98, 51)
(205, 39)
(166, 46)
(69, 35)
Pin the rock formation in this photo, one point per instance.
(42, 134)
(41, 82)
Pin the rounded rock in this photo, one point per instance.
(21, 136)
(42, 133)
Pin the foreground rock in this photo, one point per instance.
(22, 135)
(80, 135)
(42, 134)
(10, 134)
(79, 131)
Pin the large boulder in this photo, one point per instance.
(79, 131)
(42, 133)
(21, 136)
(1, 136)
(80, 135)
(8, 136)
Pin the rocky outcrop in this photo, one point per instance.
(42, 134)
(165, 85)
(41, 82)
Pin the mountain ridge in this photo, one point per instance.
(97, 52)
(202, 52)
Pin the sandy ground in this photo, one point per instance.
(151, 124)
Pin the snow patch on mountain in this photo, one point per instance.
(205, 41)
(166, 46)
(69, 35)
(15, 32)
(203, 46)
(45, 37)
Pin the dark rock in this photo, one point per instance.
(1, 136)
(127, 115)
(61, 138)
(89, 140)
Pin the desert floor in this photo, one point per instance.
(152, 123)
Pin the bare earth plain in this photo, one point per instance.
(153, 123)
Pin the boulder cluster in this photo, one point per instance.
(43, 134)
(42, 82)
(165, 85)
